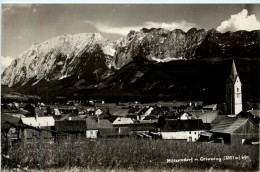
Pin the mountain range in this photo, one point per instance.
(149, 63)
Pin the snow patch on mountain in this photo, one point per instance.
(167, 59)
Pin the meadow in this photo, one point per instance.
(130, 154)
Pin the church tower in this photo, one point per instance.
(233, 92)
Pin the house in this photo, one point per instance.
(188, 130)
(123, 120)
(14, 132)
(9, 129)
(140, 127)
(92, 128)
(114, 132)
(235, 131)
(76, 128)
(19, 131)
(184, 116)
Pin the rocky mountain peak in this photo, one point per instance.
(90, 56)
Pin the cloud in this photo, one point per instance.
(185, 26)
(240, 21)
(5, 62)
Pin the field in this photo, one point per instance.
(130, 154)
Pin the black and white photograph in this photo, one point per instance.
(130, 87)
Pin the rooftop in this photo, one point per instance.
(183, 125)
(229, 125)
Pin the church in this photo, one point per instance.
(233, 92)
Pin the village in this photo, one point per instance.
(190, 121)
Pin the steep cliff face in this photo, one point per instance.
(93, 59)
(61, 57)
(159, 45)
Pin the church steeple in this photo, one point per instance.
(233, 92)
(233, 75)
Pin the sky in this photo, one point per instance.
(26, 24)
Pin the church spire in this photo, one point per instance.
(233, 74)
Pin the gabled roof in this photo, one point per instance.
(46, 121)
(123, 120)
(104, 123)
(229, 125)
(183, 125)
(71, 126)
(91, 124)
(206, 116)
(6, 118)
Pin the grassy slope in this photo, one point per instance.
(130, 154)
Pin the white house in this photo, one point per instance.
(188, 130)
